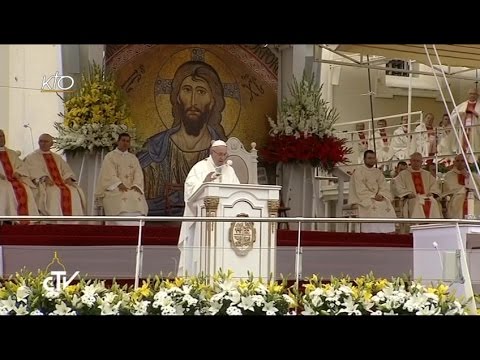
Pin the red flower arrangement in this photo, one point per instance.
(326, 151)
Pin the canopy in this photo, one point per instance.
(462, 55)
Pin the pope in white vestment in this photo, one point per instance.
(120, 183)
(369, 191)
(457, 185)
(57, 192)
(15, 185)
(212, 169)
(419, 188)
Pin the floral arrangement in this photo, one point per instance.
(25, 294)
(94, 115)
(303, 129)
(370, 296)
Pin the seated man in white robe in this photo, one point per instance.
(457, 185)
(382, 144)
(15, 185)
(360, 139)
(57, 192)
(120, 183)
(402, 165)
(369, 191)
(212, 169)
(400, 141)
(446, 138)
(420, 190)
(425, 139)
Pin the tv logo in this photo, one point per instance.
(57, 83)
(60, 283)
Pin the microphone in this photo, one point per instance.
(27, 125)
(435, 245)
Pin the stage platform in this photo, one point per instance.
(102, 251)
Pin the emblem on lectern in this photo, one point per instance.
(242, 236)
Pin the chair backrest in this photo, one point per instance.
(244, 162)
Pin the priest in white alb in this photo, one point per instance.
(215, 169)
(458, 183)
(419, 189)
(468, 112)
(120, 184)
(15, 185)
(369, 191)
(57, 192)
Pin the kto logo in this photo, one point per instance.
(57, 83)
(60, 283)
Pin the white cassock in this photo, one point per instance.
(60, 198)
(473, 132)
(121, 168)
(447, 143)
(188, 243)
(365, 184)
(457, 205)
(360, 140)
(399, 144)
(16, 195)
(424, 141)
(382, 146)
(423, 184)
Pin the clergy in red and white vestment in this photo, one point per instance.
(15, 185)
(57, 191)
(469, 113)
(120, 183)
(369, 191)
(419, 189)
(457, 185)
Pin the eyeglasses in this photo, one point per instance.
(220, 154)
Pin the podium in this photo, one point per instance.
(448, 253)
(241, 246)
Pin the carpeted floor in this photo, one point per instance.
(101, 235)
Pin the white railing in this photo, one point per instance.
(299, 220)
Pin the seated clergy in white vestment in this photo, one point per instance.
(16, 196)
(57, 192)
(457, 185)
(369, 191)
(212, 169)
(120, 183)
(420, 190)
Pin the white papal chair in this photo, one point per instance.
(244, 162)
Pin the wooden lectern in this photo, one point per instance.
(241, 246)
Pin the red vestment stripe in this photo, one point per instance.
(65, 195)
(419, 188)
(18, 186)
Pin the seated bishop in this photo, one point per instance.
(458, 184)
(120, 183)
(419, 189)
(57, 192)
(15, 185)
